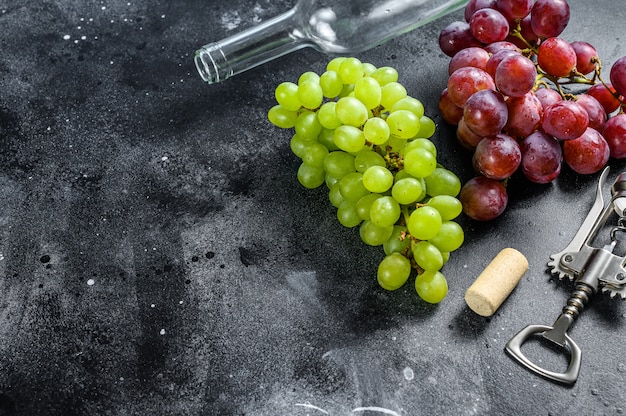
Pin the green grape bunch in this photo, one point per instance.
(358, 132)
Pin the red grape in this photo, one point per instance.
(525, 114)
(586, 55)
(515, 9)
(614, 133)
(455, 37)
(515, 75)
(549, 17)
(497, 58)
(475, 57)
(595, 111)
(466, 137)
(504, 44)
(483, 199)
(556, 57)
(489, 25)
(450, 112)
(565, 120)
(547, 96)
(541, 157)
(588, 153)
(464, 82)
(618, 76)
(605, 96)
(497, 157)
(473, 5)
(485, 113)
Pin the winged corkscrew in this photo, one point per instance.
(592, 269)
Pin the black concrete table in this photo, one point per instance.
(157, 255)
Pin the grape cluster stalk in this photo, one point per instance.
(359, 133)
(524, 98)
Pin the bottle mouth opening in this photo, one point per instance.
(211, 64)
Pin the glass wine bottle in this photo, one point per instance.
(335, 27)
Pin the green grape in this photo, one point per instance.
(311, 176)
(424, 223)
(349, 138)
(339, 164)
(327, 115)
(346, 90)
(398, 242)
(431, 286)
(420, 163)
(448, 206)
(385, 75)
(310, 94)
(384, 211)
(427, 127)
(281, 117)
(364, 204)
(377, 179)
(403, 124)
(308, 126)
(351, 186)
(298, 146)
(335, 63)
(330, 181)
(367, 158)
(351, 111)
(308, 76)
(393, 271)
(350, 70)
(407, 190)
(419, 143)
(391, 93)
(286, 94)
(411, 104)
(368, 69)
(442, 182)
(373, 235)
(427, 256)
(368, 91)
(327, 138)
(402, 174)
(347, 216)
(331, 84)
(315, 154)
(334, 195)
(376, 131)
(449, 238)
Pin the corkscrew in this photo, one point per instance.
(592, 269)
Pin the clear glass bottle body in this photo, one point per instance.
(333, 27)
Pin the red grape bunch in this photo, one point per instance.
(524, 98)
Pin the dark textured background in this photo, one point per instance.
(157, 255)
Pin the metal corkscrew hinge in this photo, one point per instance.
(592, 269)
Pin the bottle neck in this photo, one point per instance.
(269, 40)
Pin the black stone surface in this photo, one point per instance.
(157, 255)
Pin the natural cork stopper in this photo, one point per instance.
(496, 282)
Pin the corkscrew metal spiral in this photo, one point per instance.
(592, 269)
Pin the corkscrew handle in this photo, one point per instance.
(569, 376)
(557, 334)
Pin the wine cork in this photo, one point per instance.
(496, 282)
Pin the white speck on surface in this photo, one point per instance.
(230, 20)
(91, 282)
(408, 373)
(162, 332)
(66, 37)
(310, 406)
(376, 409)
